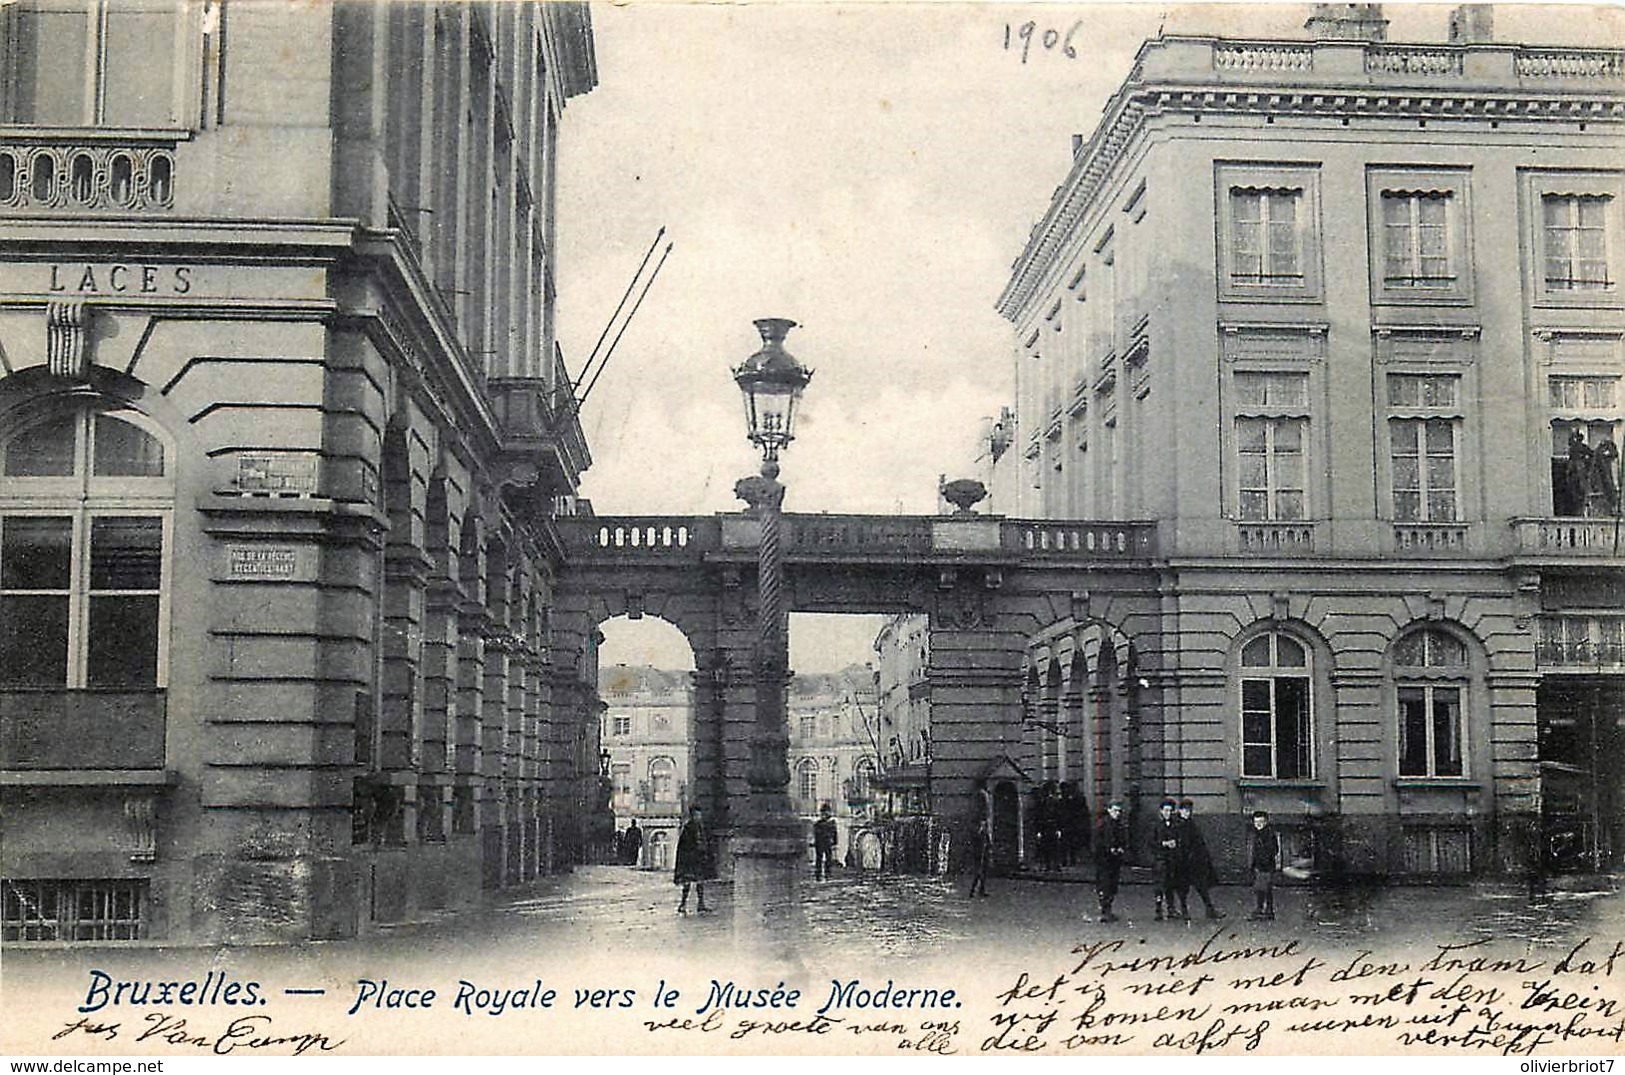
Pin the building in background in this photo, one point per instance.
(1343, 316)
(283, 426)
(901, 812)
(645, 734)
(832, 757)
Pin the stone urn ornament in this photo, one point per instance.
(963, 494)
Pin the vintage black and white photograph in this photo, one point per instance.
(790, 529)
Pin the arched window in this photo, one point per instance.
(1277, 730)
(807, 779)
(1430, 676)
(662, 780)
(85, 502)
(863, 778)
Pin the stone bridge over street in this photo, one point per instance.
(1043, 647)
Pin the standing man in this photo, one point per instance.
(1265, 859)
(1197, 870)
(824, 837)
(694, 865)
(1111, 848)
(632, 844)
(981, 853)
(1166, 834)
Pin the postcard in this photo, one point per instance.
(811, 529)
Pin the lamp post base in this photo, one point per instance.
(768, 852)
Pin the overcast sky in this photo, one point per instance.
(869, 171)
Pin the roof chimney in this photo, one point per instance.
(1347, 22)
(1472, 24)
(1077, 145)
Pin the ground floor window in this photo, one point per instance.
(73, 910)
(1438, 849)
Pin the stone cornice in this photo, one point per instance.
(1282, 92)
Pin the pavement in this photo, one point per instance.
(618, 927)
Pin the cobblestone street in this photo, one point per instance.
(617, 927)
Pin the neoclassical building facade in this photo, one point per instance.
(284, 430)
(1342, 317)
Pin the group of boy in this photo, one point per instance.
(1183, 862)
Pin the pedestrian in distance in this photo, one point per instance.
(1165, 847)
(1265, 857)
(1074, 824)
(1197, 869)
(824, 838)
(981, 854)
(1111, 849)
(1042, 817)
(632, 844)
(694, 866)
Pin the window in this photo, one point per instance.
(1585, 445)
(1264, 240)
(1437, 849)
(72, 910)
(1591, 641)
(1276, 731)
(85, 501)
(1271, 429)
(1423, 438)
(620, 724)
(863, 780)
(1575, 233)
(620, 776)
(88, 62)
(662, 780)
(807, 780)
(1430, 668)
(1416, 239)
(807, 726)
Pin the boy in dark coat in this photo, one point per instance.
(1265, 858)
(1197, 869)
(1166, 837)
(824, 839)
(693, 865)
(1111, 848)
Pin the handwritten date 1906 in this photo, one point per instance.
(1022, 37)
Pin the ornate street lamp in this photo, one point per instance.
(771, 842)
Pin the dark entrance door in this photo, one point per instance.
(1582, 771)
(1006, 827)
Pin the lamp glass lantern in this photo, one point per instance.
(771, 382)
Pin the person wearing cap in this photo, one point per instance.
(1265, 858)
(1166, 834)
(825, 836)
(1196, 871)
(1111, 848)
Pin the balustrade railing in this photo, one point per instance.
(1413, 61)
(1570, 537)
(1082, 539)
(1430, 537)
(858, 538)
(1276, 539)
(43, 172)
(1262, 57)
(1606, 64)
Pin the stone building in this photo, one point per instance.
(832, 754)
(283, 432)
(645, 735)
(1343, 317)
